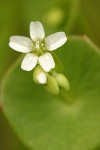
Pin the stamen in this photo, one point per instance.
(42, 45)
(37, 46)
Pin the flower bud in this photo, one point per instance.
(39, 76)
(52, 85)
(62, 81)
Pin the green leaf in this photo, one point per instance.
(8, 139)
(47, 122)
(54, 14)
(9, 25)
(87, 20)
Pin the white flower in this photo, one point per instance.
(37, 47)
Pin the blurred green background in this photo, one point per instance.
(75, 17)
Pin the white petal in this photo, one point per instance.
(21, 44)
(47, 62)
(55, 40)
(41, 77)
(36, 31)
(29, 62)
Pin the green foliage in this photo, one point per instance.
(52, 123)
(9, 25)
(44, 121)
(72, 16)
(8, 139)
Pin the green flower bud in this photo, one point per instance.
(52, 85)
(39, 75)
(62, 81)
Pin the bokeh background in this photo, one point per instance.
(75, 17)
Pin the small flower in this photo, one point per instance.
(37, 47)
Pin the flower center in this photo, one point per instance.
(40, 47)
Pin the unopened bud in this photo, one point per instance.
(52, 85)
(62, 81)
(39, 76)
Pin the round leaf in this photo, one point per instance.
(47, 122)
